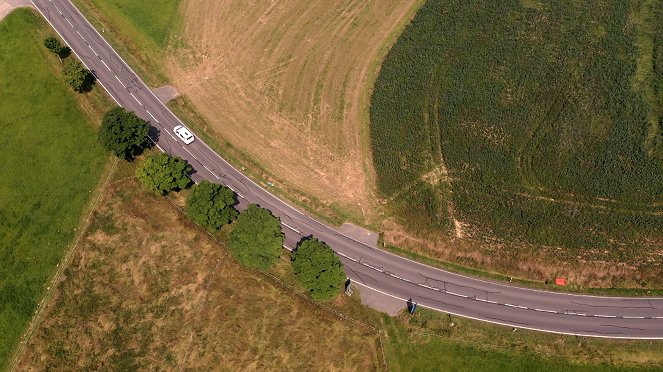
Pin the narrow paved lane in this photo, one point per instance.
(614, 317)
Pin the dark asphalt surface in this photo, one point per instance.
(613, 317)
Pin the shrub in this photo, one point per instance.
(54, 45)
(318, 269)
(257, 239)
(77, 76)
(123, 133)
(162, 173)
(211, 205)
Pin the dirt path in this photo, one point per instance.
(6, 6)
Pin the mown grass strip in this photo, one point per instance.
(52, 163)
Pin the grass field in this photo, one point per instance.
(52, 163)
(147, 289)
(534, 131)
(128, 24)
(430, 341)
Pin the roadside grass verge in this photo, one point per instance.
(127, 24)
(52, 165)
(430, 340)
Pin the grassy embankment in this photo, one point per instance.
(52, 164)
(534, 135)
(148, 289)
(127, 24)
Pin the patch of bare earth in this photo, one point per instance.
(283, 83)
(148, 290)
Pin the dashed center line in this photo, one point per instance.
(135, 98)
(118, 79)
(155, 119)
(109, 69)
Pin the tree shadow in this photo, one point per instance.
(89, 81)
(64, 52)
(153, 134)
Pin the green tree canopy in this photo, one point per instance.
(123, 133)
(162, 173)
(211, 205)
(257, 239)
(318, 269)
(77, 76)
(54, 45)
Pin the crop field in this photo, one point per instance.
(528, 126)
(282, 87)
(147, 289)
(51, 164)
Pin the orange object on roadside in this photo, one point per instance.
(560, 281)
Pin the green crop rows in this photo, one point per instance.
(547, 116)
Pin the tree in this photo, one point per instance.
(77, 76)
(257, 239)
(123, 133)
(162, 173)
(211, 205)
(54, 45)
(318, 269)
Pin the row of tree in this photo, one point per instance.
(256, 239)
(75, 74)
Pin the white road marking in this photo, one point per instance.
(290, 227)
(204, 166)
(95, 53)
(104, 62)
(546, 311)
(604, 316)
(136, 99)
(456, 294)
(155, 119)
(118, 79)
(72, 26)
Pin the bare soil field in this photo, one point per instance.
(284, 83)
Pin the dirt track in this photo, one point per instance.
(6, 6)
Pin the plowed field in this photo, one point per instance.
(284, 83)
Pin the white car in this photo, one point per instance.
(184, 134)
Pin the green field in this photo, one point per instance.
(52, 163)
(431, 341)
(546, 117)
(139, 30)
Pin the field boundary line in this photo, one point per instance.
(52, 285)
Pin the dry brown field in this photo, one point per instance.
(146, 289)
(286, 85)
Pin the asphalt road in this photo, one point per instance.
(612, 317)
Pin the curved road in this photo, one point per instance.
(611, 317)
